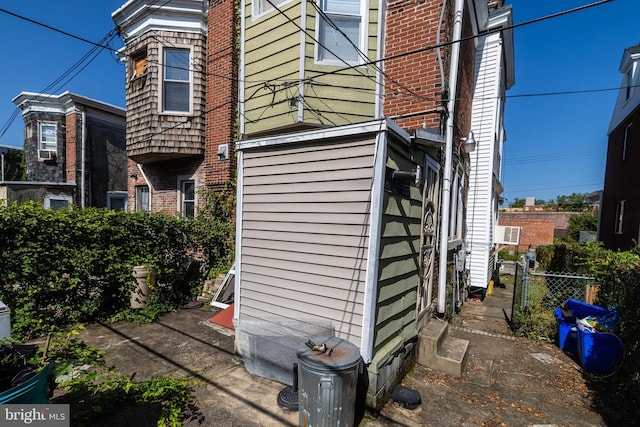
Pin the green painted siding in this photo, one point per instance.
(399, 257)
(330, 95)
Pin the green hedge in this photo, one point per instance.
(58, 268)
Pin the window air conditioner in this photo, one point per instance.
(46, 155)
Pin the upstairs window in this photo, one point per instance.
(340, 32)
(629, 82)
(626, 142)
(176, 82)
(48, 136)
(619, 217)
(260, 7)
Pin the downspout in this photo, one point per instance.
(446, 182)
(82, 162)
(146, 180)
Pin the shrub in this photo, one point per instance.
(63, 267)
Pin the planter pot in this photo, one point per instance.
(144, 278)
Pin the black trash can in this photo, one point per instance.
(327, 383)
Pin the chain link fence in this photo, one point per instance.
(537, 294)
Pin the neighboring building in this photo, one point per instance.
(74, 152)
(536, 228)
(494, 75)
(181, 80)
(619, 226)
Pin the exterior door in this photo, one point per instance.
(428, 234)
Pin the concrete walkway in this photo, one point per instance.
(507, 381)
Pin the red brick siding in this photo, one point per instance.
(538, 228)
(222, 92)
(70, 146)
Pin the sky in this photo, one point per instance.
(556, 144)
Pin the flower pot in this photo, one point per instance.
(144, 279)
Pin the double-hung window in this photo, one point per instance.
(619, 217)
(188, 198)
(625, 143)
(176, 81)
(142, 198)
(261, 7)
(47, 141)
(340, 32)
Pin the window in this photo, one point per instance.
(117, 200)
(340, 31)
(48, 136)
(629, 83)
(260, 7)
(188, 198)
(619, 217)
(142, 198)
(57, 202)
(625, 144)
(176, 84)
(139, 64)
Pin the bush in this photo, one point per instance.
(58, 268)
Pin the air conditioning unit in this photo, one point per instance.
(46, 155)
(507, 235)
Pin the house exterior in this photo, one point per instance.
(494, 75)
(619, 227)
(352, 175)
(74, 152)
(181, 96)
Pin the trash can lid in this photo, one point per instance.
(3, 307)
(340, 354)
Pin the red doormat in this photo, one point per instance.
(224, 318)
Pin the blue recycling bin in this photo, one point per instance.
(599, 353)
(566, 329)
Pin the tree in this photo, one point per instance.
(583, 221)
(518, 203)
(575, 202)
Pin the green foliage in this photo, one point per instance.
(14, 169)
(518, 203)
(59, 268)
(507, 256)
(583, 221)
(537, 322)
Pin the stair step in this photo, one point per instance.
(439, 351)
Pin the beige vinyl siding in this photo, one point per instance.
(399, 258)
(305, 233)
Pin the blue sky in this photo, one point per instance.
(556, 145)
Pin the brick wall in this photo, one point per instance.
(222, 92)
(538, 228)
(412, 25)
(71, 161)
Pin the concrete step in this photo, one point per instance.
(438, 351)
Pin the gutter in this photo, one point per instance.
(449, 132)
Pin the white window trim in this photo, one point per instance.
(179, 180)
(55, 125)
(49, 197)
(362, 43)
(161, 109)
(255, 14)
